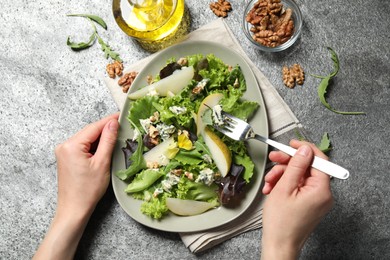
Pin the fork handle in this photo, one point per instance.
(318, 163)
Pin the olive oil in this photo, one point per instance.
(155, 24)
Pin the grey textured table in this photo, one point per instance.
(49, 92)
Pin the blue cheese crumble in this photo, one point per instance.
(206, 176)
(178, 110)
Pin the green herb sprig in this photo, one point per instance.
(324, 145)
(78, 46)
(325, 82)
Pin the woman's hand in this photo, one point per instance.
(298, 198)
(83, 169)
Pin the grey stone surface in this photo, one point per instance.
(49, 92)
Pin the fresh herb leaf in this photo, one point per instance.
(322, 88)
(76, 46)
(325, 145)
(94, 18)
(108, 52)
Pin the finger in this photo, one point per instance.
(279, 157)
(91, 132)
(317, 152)
(296, 169)
(272, 177)
(107, 142)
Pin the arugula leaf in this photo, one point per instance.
(108, 52)
(81, 45)
(325, 145)
(94, 18)
(322, 88)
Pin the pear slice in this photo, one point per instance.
(171, 84)
(209, 101)
(219, 151)
(188, 207)
(157, 153)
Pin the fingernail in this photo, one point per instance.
(113, 126)
(304, 150)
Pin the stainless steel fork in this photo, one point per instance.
(240, 130)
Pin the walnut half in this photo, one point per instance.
(126, 80)
(221, 8)
(293, 75)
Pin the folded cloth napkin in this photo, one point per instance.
(283, 126)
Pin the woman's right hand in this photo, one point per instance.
(299, 196)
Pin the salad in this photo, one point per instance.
(176, 161)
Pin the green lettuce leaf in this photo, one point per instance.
(141, 109)
(144, 180)
(248, 164)
(190, 190)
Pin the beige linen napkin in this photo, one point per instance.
(282, 127)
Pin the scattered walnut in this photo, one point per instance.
(177, 172)
(293, 75)
(152, 165)
(221, 8)
(155, 117)
(298, 73)
(114, 69)
(288, 80)
(149, 79)
(153, 132)
(272, 25)
(189, 175)
(182, 61)
(126, 80)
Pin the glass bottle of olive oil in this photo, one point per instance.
(155, 24)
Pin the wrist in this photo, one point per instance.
(63, 236)
(280, 251)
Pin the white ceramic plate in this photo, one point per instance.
(258, 151)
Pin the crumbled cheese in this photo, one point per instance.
(201, 84)
(157, 192)
(207, 158)
(170, 181)
(206, 176)
(217, 115)
(145, 123)
(178, 110)
(165, 130)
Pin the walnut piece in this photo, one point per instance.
(114, 69)
(272, 25)
(221, 8)
(298, 73)
(126, 80)
(293, 75)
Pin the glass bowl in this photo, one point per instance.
(296, 17)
